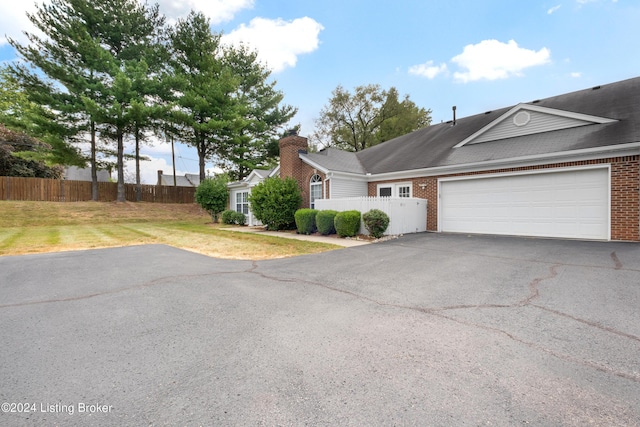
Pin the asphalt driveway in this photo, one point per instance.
(424, 330)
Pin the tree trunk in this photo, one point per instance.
(201, 160)
(94, 167)
(120, 165)
(138, 187)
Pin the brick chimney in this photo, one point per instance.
(290, 163)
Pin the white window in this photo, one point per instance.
(404, 191)
(315, 190)
(242, 202)
(400, 189)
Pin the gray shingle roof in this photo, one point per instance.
(434, 146)
(181, 181)
(336, 160)
(263, 173)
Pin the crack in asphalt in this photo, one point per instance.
(614, 257)
(158, 281)
(434, 311)
(616, 261)
(438, 312)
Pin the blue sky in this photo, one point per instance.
(476, 55)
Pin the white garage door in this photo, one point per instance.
(572, 204)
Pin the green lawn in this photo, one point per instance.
(34, 227)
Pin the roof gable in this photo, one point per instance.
(527, 119)
(256, 176)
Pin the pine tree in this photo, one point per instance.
(203, 87)
(88, 65)
(253, 141)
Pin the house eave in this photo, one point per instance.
(313, 164)
(620, 150)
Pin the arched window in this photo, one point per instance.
(315, 190)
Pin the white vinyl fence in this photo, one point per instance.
(406, 215)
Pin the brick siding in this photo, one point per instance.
(625, 192)
(292, 166)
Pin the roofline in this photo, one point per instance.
(632, 148)
(313, 164)
(539, 109)
(360, 176)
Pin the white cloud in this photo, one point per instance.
(554, 9)
(278, 42)
(576, 75)
(493, 60)
(427, 69)
(13, 19)
(217, 10)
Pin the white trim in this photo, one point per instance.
(394, 188)
(539, 109)
(313, 164)
(312, 183)
(606, 166)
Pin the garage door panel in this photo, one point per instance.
(571, 204)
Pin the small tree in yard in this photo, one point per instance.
(274, 202)
(212, 195)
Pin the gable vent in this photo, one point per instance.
(522, 118)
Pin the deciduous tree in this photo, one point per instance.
(367, 117)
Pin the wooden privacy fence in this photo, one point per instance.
(60, 190)
(406, 214)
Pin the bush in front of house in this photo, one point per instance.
(239, 218)
(212, 195)
(275, 201)
(233, 217)
(347, 223)
(306, 220)
(227, 217)
(376, 222)
(325, 222)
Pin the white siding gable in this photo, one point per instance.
(254, 179)
(528, 119)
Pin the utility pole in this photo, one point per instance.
(173, 160)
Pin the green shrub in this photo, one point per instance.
(376, 222)
(347, 223)
(275, 201)
(324, 222)
(306, 220)
(239, 218)
(212, 195)
(228, 217)
(233, 217)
